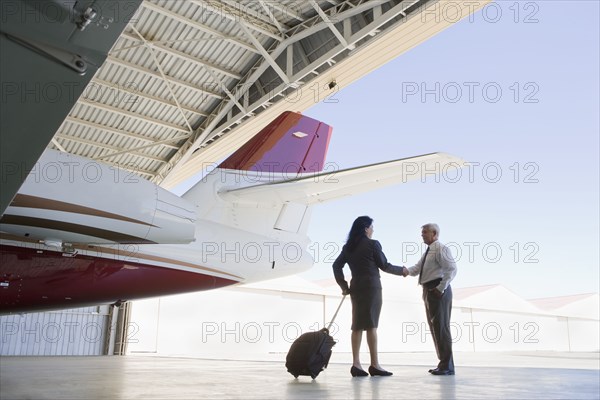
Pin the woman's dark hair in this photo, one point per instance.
(357, 232)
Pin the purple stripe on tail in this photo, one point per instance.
(292, 143)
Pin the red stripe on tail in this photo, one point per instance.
(292, 143)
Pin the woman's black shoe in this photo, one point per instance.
(357, 372)
(378, 372)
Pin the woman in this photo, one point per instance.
(365, 257)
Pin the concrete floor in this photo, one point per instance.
(505, 376)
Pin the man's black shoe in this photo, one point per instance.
(438, 371)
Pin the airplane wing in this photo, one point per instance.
(325, 186)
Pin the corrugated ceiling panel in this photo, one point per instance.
(138, 88)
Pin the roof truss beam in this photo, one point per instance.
(205, 133)
(197, 25)
(144, 147)
(165, 80)
(104, 128)
(157, 75)
(108, 147)
(267, 57)
(137, 93)
(237, 15)
(287, 10)
(265, 7)
(129, 114)
(364, 32)
(246, 9)
(329, 23)
(181, 55)
(224, 88)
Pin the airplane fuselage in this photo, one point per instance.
(70, 241)
(80, 232)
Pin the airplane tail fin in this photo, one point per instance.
(271, 182)
(261, 197)
(292, 144)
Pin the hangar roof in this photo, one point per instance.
(188, 82)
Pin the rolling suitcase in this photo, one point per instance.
(310, 353)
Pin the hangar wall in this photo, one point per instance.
(88, 331)
(261, 322)
(251, 323)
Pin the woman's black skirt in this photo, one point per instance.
(366, 307)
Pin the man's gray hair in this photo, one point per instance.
(432, 227)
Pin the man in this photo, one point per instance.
(436, 269)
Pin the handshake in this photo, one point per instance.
(404, 271)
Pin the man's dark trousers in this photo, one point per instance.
(439, 310)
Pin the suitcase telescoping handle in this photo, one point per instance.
(336, 312)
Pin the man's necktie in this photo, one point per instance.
(423, 264)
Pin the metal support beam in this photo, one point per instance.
(154, 74)
(289, 63)
(196, 25)
(108, 147)
(58, 146)
(104, 128)
(247, 9)
(224, 88)
(139, 148)
(286, 10)
(133, 115)
(181, 55)
(237, 16)
(267, 57)
(137, 93)
(265, 7)
(164, 77)
(330, 24)
(204, 133)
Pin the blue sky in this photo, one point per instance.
(534, 228)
